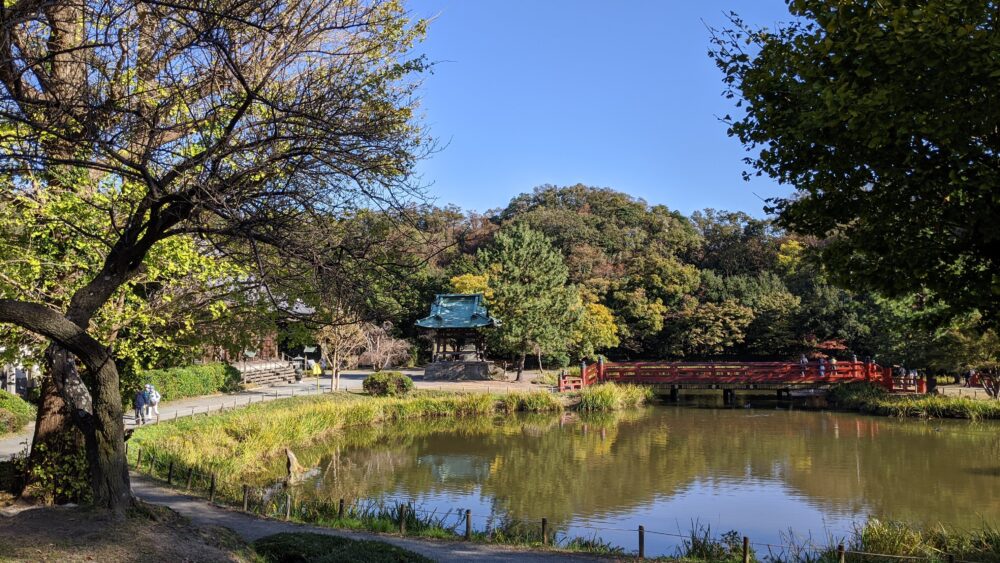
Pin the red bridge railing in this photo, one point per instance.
(735, 373)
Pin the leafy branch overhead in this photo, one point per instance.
(883, 117)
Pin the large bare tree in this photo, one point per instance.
(237, 122)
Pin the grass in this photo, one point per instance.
(873, 399)
(243, 444)
(612, 397)
(15, 412)
(319, 548)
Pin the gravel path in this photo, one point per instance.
(250, 528)
(349, 381)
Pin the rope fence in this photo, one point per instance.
(279, 503)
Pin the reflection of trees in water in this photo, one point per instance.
(567, 466)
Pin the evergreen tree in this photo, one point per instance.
(536, 306)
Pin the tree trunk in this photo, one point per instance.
(97, 414)
(520, 367)
(106, 445)
(336, 370)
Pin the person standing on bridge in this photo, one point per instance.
(804, 363)
(822, 367)
(833, 366)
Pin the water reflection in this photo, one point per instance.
(757, 471)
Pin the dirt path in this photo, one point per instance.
(349, 381)
(250, 528)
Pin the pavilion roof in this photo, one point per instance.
(458, 310)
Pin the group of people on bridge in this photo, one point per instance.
(822, 364)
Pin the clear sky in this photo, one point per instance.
(616, 94)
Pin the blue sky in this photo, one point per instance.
(615, 94)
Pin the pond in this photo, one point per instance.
(762, 472)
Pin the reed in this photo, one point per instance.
(873, 399)
(611, 397)
(233, 444)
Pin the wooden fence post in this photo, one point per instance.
(402, 519)
(340, 510)
(545, 531)
(288, 506)
(190, 474)
(840, 553)
(468, 525)
(246, 498)
(170, 473)
(138, 457)
(746, 549)
(211, 489)
(642, 542)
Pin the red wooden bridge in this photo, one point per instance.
(738, 375)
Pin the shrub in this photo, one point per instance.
(387, 384)
(190, 381)
(15, 412)
(60, 472)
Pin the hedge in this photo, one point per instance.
(191, 381)
(15, 412)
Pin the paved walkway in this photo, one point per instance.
(251, 528)
(956, 390)
(349, 381)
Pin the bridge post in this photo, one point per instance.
(675, 393)
(600, 369)
(583, 374)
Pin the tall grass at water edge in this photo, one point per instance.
(612, 397)
(235, 444)
(873, 399)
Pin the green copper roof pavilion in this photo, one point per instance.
(458, 311)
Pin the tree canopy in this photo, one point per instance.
(243, 126)
(883, 117)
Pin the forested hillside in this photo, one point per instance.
(642, 281)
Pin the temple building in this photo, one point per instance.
(456, 327)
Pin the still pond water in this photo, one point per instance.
(761, 472)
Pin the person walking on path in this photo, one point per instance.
(152, 402)
(139, 401)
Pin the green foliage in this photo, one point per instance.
(387, 384)
(700, 545)
(880, 116)
(189, 381)
(303, 547)
(59, 472)
(15, 412)
(612, 397)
